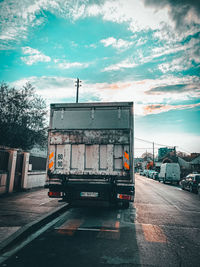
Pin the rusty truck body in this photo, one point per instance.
(90, 152)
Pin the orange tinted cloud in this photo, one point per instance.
(115, 86)
(158, 108)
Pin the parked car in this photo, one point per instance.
(145, 172)
(141, 172)
(155, 175)
(191, 182)
(148, 173)
(151, 172)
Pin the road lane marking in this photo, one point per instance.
(110, 230)
(117, 224)
(154, 233)
(69, 227)
(97, 230)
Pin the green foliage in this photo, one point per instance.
(22, 117)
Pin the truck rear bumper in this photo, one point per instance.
(76, 191)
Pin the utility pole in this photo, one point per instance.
(153, 154)
(175, 151)
(77, 84)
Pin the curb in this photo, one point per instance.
(29, 228)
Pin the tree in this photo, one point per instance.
(22, 117)
(147, 156)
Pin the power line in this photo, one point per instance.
(143, 147)
(152, 142)
(156, 144)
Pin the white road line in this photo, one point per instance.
(98, 230)
(44, 203)
(89, 229)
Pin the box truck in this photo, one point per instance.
(169, 172)
(90, 152)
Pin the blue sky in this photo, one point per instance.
(146, 51)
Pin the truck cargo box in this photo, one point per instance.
(90, 148)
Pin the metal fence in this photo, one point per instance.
(38, 163)
(4, 157)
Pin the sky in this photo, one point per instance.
(145, 51)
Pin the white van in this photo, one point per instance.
(169, 172)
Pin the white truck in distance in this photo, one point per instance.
(90, 152)
(169, 172)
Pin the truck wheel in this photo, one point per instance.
(126, 205)
(191, 189)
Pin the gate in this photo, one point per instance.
(18, 171)
(4, 157)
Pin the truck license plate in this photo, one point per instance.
(89, 194)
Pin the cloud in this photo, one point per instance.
(185, 53)
(18, 17)
(57, 89)
(158, 108)
(51, 88)
(174, 88)
(125, 64)
(127, 11)
(176, 65)
(33, 56)
(118, 44)
(182, 12)
(67, 65)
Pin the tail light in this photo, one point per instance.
(124, 196)
(54, 194)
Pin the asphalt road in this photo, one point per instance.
(162, 228)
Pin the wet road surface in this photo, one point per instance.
(161, 228)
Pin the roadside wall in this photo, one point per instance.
(32, 172)
(35, 179)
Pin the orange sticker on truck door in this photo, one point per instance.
(126, 161)
(51, 163)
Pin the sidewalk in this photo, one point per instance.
(22, 210)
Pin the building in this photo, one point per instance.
(164, 151)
